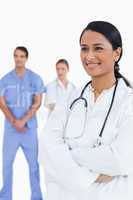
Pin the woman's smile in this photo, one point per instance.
(91, 65)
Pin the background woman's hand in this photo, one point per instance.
(104, 179)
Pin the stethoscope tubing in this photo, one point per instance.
(86, 108)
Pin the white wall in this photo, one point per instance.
(50, 30)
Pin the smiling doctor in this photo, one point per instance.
(89, 149)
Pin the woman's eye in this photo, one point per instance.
(84, 49)
(98, 48)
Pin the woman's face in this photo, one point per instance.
(62, 70)
(97, 54)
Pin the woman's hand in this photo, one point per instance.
(51, 106)
(104, 179)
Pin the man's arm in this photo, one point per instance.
(8, 114)
(37, 99)
(6, 110)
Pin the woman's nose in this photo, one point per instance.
(90, 55)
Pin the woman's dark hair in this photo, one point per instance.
(24, 49)
(112, 34)
(64, 61)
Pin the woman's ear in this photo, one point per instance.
(117, 54)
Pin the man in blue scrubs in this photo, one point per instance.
(20, 97)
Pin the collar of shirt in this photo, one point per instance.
(20, 78)
(61, 84)
(105, 94)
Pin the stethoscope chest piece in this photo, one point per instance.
(97, 143)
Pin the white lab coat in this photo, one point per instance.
(57, 93)
(71, 174)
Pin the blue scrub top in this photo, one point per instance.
(19, 92)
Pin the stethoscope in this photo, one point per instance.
(82, 98)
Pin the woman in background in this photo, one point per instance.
(60, 90)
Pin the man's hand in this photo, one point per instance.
(21, 130)
(20, 125)
(104, 179)
(32, 111)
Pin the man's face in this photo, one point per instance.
(20, 58)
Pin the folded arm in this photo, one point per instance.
(58, 159)
(114, 159)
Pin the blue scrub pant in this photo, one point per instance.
(29, 143)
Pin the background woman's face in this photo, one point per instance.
(97, 54)
(61, 70)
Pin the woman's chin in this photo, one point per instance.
(93, 73)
